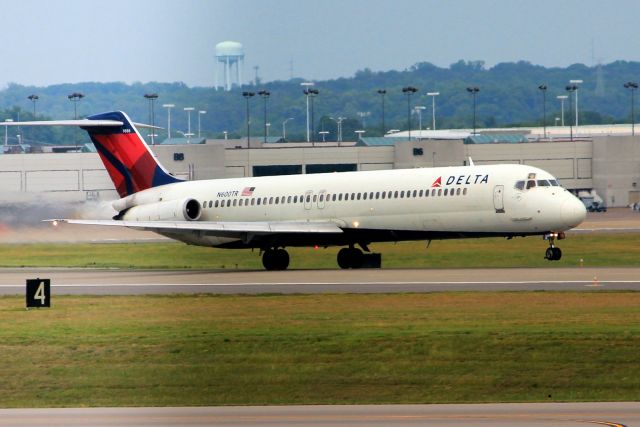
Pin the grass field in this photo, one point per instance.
(593, 250)
(407, 348)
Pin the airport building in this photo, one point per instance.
(608, 162)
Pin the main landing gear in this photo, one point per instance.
(275, 259)
(553, 253)
(350, 258)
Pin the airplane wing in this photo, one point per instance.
(214, 228)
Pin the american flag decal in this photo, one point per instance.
(248, 191)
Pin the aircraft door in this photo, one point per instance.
(498, 198)
(308, 196)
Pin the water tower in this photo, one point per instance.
(229, 54)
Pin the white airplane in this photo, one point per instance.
(332, 209)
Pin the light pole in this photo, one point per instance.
(324, 133)
(168, 107)
(200, 113)
(188, 134)
(359, 133)
(543, 88)
(418, 109)
(75, 97)
(306, 86)
(311, 93)
(362, 115)
(382, 93)
(575, 84)
(34, 99)
(339, 123)
(562, 98)
(433, 108)
(474, 91)
(409, 90)
(284, 128)
(632, 86)
(152, 99)
(264, 94)
(247, 96)
(571, 89)
(6, 133)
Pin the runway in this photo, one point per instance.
(520, 414)
(140, 282)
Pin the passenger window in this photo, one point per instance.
(322, 197)
(333, 197)
(439, 191)
(415, 193)
(264, 201)
(353, 196)
(458, 191)
(270, 200)
(395, 195)
(216, 205)
(433, 192)
(289, 199)
(426, 193)
(276, 200)
(364, 196)
(530, 184)
(235, 202)
(295, 199)
(359, 195)
(315, 198)
(420, 193)
(228, 202)
(204, 204)
(520, 185)
(464, 192)
(446, 190)
(377, 194)
(340, 197)
(308, 198)
(253, 201)
(259, 201)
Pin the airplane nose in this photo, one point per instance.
(573, 212)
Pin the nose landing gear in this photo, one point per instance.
(553, 253)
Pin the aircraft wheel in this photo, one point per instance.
(343, 258)
(282, 259)
(350, 258)
(548, 255)
(557, 254)
(269, 260)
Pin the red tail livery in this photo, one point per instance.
(131, 165)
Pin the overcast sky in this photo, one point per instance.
(69, 41)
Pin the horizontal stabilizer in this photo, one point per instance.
(77, 123)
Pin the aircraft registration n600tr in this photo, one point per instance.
(333, 209)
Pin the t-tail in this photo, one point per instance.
(128, 159)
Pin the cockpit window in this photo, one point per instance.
(531, 184)
(520, 185)
(554, 183)
(543, 183)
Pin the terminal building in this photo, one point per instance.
(602, 160)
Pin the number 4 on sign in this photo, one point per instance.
(38, 293)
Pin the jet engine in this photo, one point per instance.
(171, 210)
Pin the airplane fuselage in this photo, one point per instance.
(390, 205)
